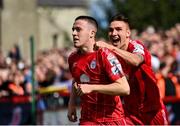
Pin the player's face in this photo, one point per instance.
(80, 33)
(118, 33)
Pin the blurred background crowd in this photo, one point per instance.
(50, 22)
(165, 49)
(51, 66)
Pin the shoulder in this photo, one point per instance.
(135, 46)
(104, 51)
(72, 55)
(136, 43)
(106, 54)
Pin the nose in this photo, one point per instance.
(74, 32)
(114, 32)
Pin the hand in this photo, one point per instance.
(72, 116)
(75, 85)
(102, 44)
(84, 89)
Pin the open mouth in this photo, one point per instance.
(75, 39)
(115, 39)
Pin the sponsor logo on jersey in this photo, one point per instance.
(93, 64)
(116, 66)
(84, 78)
(112, 59)
(113, 62)
(117, 69)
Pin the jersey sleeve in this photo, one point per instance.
(111, 65)
(138, 49)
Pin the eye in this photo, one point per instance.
(118, 29)
(77, 29)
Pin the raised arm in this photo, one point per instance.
(134, 59)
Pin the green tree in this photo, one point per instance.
(162, 14)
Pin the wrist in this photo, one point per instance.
(113, 48)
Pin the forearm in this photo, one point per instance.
(120, 87)
(72, 116)
(72, 99)
(133, 59)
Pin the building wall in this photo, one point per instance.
(57, 21)
(19, 22)
(22, 19)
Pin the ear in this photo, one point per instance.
(128, 33)
(93, 33)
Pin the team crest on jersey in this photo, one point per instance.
(93, 64)
(84, 78)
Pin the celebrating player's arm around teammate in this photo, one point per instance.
(143, 105)
(98, 78)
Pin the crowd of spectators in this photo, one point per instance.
(15, 73)
(51, 65)
(165, 49)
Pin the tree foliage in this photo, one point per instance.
(162, 14)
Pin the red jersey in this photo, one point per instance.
(99, 67)
(144, 93)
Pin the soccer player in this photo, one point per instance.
(98, 78)
(143, 105)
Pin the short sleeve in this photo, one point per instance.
(138, 49)
(111, 65)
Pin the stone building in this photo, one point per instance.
(48, 21)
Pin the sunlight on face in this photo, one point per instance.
(81, 33)
(118, 33)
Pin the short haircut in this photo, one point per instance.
(90, 20)
(120, 17)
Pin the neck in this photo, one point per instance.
(89, 47)
(125, 46)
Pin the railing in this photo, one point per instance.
(17, 109)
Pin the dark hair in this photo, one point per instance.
(119, 17)
(89, 19)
